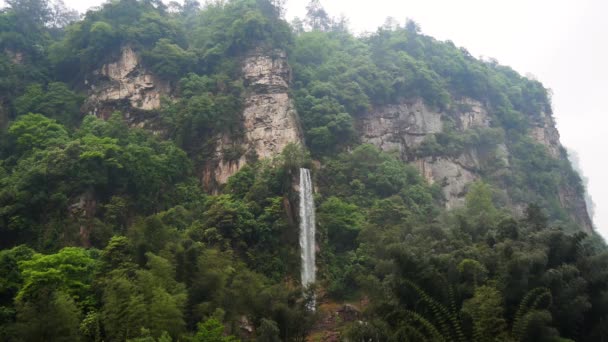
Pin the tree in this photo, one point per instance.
(535, 217)
(62, 16)
(69, 271)
(169, 60)
(55, 101)
(50, 316)
(412, 27)
(268, 331)
(341, 221)
(31, 15)
(480, 209)
(155, 301)
(212, 330)
(486, 310)
(317, 18)
(34, 131)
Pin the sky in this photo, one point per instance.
(562, 43)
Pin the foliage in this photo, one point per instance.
(57, 101)
(212, 331)
(107, 234)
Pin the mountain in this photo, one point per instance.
(149, 169)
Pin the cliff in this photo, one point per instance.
(270, 121)
(404, 127)
(126, 85)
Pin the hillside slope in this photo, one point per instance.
(149, 162)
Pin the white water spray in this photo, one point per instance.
(307, 231)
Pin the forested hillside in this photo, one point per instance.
(149, 164)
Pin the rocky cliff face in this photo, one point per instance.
(270, 120)
(126, 85)
(400, 127)
(403, 128)
(545, 133)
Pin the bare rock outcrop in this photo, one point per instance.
(545, 133)
(452, 176)
(82, 210)
(403, 128)
(571, 199)
(16, 57)
(126, 85)
(270, 120)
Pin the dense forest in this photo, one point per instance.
(107, 233)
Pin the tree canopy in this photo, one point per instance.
(107, 234)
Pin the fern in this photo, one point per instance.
(448, 321)
(409, 330)
(529, 303)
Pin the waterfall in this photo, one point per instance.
(307, 230)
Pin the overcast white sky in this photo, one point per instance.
(561, 42)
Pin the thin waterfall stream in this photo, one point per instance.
(307, 231)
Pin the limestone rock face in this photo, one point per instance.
(471, 114)
(403, 127)
(83, 209)
(577, 206)
(451, 175)
(127, 86)
(16, 57)
(270, 120)
(400, 127)
(545, 133)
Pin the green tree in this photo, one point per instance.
(50, 316)
(341, 221)
(268, 331)
(486, 310)
(34, 131)
(212, 330)
(69, 271)
(55, 101)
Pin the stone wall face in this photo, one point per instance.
(404, 126)
(127, 86)
(270, 120)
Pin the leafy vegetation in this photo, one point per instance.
(107, 234)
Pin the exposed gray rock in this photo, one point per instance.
(452, 176)
(127, 86)
(471, 114)
(16, 57)
(400, 127)
(82, 210)
(404, 127)
(545, 133)
(270, 120)
(569, 198)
